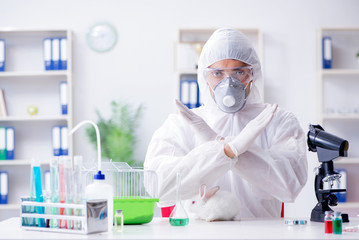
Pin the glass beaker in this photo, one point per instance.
(178, 215)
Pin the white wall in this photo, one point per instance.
(139, 69)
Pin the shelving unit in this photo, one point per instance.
(25, 82)
(338, 103)
(189, 46)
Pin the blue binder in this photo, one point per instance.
(342, 196)
(4, 187)
(63, 53)
(10, 143)
(56, 138)
(2, 55)
(55, 57)
(189, 93)
(327, 52)
(47, 53)
(63, 97)
(64, 146)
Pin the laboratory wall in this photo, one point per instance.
(140, 68)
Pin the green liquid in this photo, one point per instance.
(337, 226)
(179, 221)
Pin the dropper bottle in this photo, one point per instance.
(178, 215)
(99, 189)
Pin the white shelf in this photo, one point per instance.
(33, 73)
(347, 160)
(34, 118)
(20, 162)
(10, 206)
(25, 83)
(341, 116)
(340, 71)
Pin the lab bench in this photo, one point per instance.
(160, 228)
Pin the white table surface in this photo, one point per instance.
(160, 228)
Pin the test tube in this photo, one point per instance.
(54, 189)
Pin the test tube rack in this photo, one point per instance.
(93, 217)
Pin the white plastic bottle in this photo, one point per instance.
(101, 190)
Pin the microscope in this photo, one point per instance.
(328, 147)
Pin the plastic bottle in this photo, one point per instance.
(101, 190)
(337, 223)
(328, 222)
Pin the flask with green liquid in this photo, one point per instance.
(178, 215)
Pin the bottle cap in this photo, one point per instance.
(99, 176)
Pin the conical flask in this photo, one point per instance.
(178, 215)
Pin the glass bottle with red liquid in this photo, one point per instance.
(328, 222)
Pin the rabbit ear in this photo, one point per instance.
(202, 190)
(212, 191)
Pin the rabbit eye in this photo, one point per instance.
(193, 202)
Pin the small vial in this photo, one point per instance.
(328, 222)
(337, 223)
(118, 221)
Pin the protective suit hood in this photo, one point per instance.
(227, 43)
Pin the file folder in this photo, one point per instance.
(2, 143)
(63, 53)
(56, 140)
(327, 52)
(184, 92)
(63, 97)
(47, 54)
(64, 147)
(10, 143)
(2, 55)
(194, 94)
(342, 196)
(55, 46)
(3, 110)
(4, 187)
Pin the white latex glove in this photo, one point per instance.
(200, 127)
(241, 143)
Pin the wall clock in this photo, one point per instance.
(101, 37)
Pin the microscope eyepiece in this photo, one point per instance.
(318, 137)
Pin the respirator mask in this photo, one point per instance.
(229, 86)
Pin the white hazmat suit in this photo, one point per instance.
(273, 169)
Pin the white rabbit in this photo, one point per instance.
(213, 205)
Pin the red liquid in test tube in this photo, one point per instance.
(328, 225)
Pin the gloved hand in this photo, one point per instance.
(241, 143)
(200, 127)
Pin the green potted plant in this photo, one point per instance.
(118, 132)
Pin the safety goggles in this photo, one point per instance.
(214, 75)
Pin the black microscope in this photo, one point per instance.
(328, 147)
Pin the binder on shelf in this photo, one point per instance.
(10, 143)
(327, 52)
(3, 110)
(4, 187)
(2, 55)
(63, 97)
(184, 92)
(47, 54)
(64, 145)
(63, 53)
(55, 56)
(194, 97)
(56, 140)
(189, 93)
(2, 143)
(342, 196)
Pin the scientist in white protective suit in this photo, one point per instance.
(254, 150)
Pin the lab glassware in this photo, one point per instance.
(178, 215)
(337, 223)
(328, 222)
(118, 221)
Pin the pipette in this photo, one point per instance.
(178, 215)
